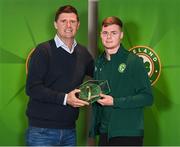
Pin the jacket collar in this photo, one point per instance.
(120, 53)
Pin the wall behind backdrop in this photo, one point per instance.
(24, 24)
(154, 23)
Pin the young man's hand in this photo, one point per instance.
(106, 100)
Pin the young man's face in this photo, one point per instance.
(67, 25)
(111, 36)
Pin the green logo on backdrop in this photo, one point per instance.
(151, 61)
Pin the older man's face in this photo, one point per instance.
(67, 25)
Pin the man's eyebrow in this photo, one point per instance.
(109, 31)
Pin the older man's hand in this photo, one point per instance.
(74, 101)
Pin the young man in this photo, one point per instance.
(57, 67)
(118, 117)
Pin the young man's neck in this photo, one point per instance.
(110, 52)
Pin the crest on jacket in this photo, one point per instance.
(122, 67)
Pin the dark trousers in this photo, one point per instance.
(120, 141)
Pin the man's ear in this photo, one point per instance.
(100, 34)
(55, 24)
(122, 35)
(78, 25)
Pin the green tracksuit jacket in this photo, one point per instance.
(131, 90)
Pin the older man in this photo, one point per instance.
(57, 67)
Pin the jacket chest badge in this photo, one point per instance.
(122, 67)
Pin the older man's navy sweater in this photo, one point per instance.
(53, 72)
